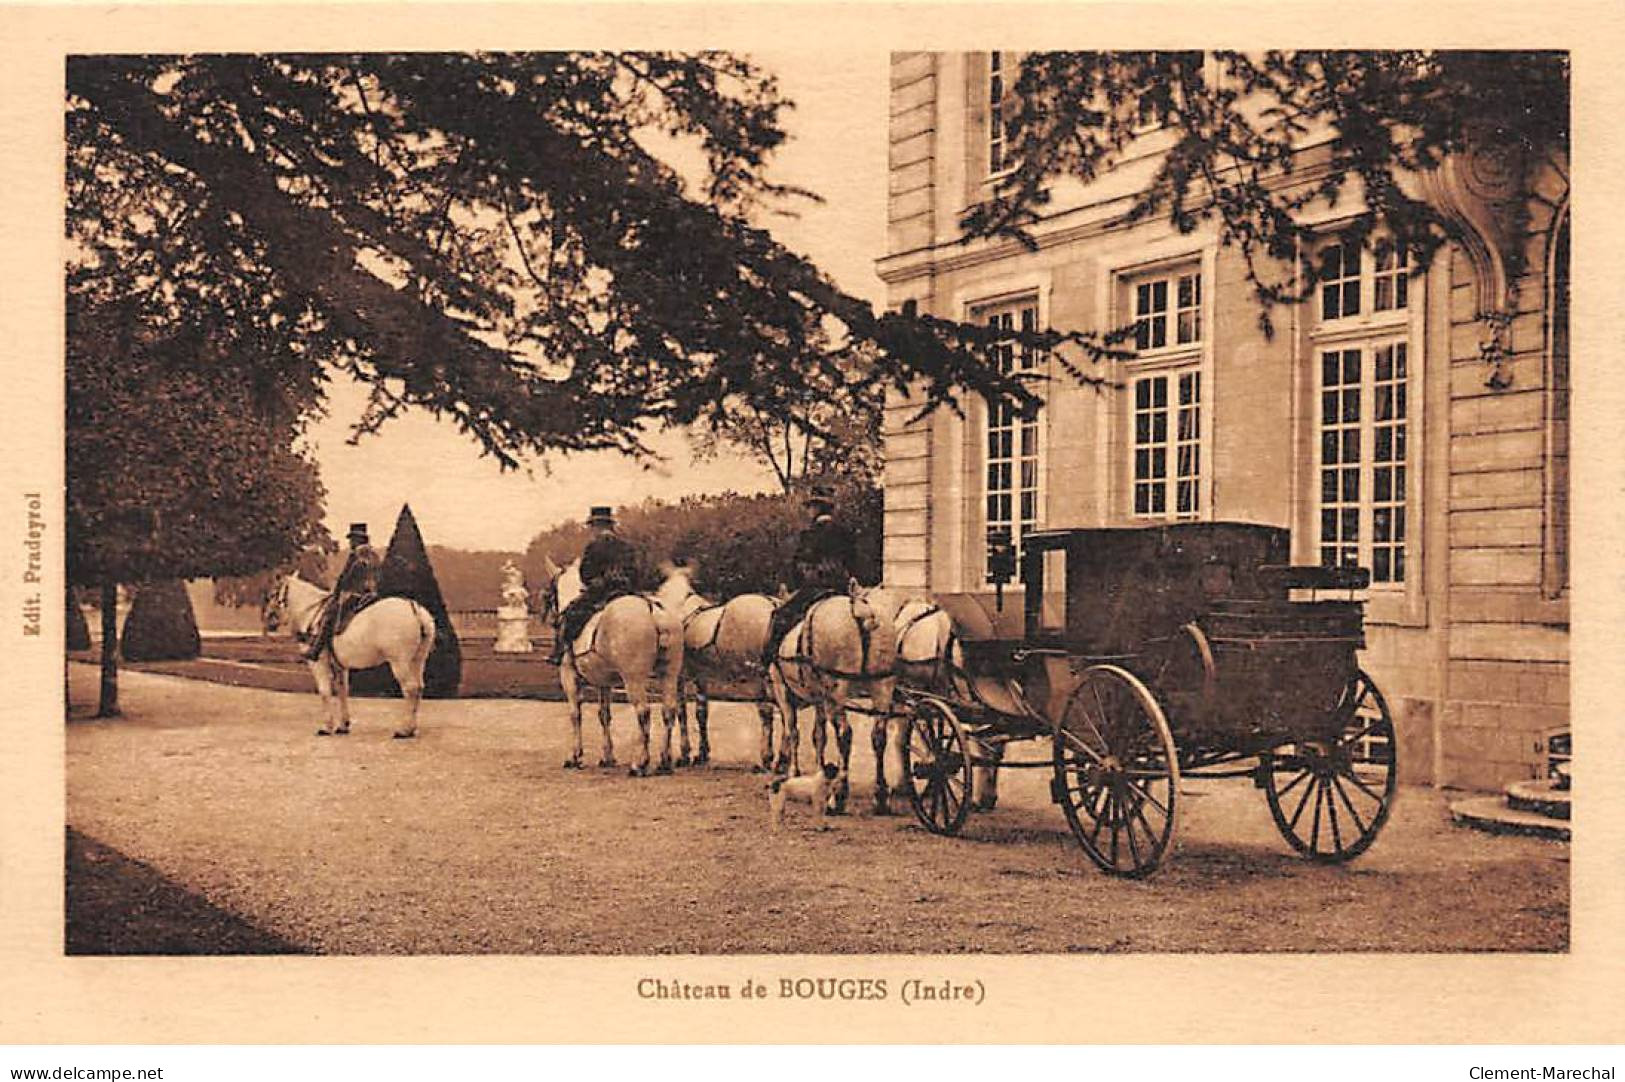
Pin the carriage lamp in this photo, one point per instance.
(1001, 562)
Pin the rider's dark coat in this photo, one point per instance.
(608, 570)
(825, 555)
(357, 584)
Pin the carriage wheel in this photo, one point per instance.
(1116, 772)
(1329, 798)
(937, 764)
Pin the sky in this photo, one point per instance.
(836, 147)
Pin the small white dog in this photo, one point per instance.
(812, 789)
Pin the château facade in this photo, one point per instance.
(1414, 424)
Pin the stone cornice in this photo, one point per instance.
(1060, 228)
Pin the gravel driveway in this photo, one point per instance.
(471, 839)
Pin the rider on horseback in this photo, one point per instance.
(357, 585)
(608, 570)
(822, 566)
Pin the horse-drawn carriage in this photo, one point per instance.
(1154, 654)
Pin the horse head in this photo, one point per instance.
(676, 592)
(275, 607)
(547, 600)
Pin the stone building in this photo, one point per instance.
(1416, 425)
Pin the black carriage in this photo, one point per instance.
(1151, 654)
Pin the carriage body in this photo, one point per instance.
(1242, 650)
(1184, 648)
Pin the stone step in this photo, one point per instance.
(1491, 813)
(1541, 797)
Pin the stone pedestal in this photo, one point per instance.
(513, 630)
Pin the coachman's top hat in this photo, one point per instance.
(821, 496)
(357, 534)
(601, 516)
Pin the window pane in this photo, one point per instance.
(1383, 447)
(1187, 327)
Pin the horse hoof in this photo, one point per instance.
(342, 732)
(883, 809)
(664, 768)
(682, 760)
(637, 772)
(605, 764)
(404, 736)
(572, 764)
(324, 732)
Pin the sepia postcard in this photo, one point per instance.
(911, 523)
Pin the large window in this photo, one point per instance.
(1164, 433)
(1014, 446)
(1168, 445)
(1365, 458)
(1364, 366)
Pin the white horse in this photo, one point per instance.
(632, 640)
(721, 642)
(845, 643)
(396, 630)
(930, 657)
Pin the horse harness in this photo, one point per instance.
(596, 621)
(942, 660)
(804, 644)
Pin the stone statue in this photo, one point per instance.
(513, 615)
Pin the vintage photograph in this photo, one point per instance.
(817, 502)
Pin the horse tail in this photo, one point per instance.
(668, 628)
(426, 631)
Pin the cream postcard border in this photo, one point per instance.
(1335, 998)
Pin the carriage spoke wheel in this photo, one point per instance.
(1329, 798)
(1116, 772)
(937, 764)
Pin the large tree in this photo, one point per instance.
(502, 240)
(1240, 124)
(174, 467)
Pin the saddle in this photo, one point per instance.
(348, 606)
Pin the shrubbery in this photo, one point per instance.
(406, 572)
(77, 632)
(740, 544)
(161, 625)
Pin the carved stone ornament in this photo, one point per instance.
(1482, 192)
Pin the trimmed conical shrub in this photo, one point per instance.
(407, 573)
(76, 634)
(161, 626)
